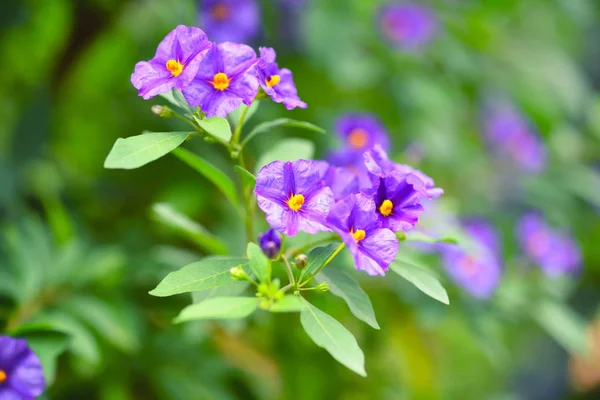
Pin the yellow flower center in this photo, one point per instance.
(220, 81)
(175, 67)
(2, 376)
(358, 138)
(358, 234)
(220, 12)
(295, 202)
(386, 208)
(273, 80)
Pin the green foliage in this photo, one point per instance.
(219, 308)
(136, 151)
(268, 126)
(287, 150)
(421, 278)
(289, 303)
(259, 263)
(316, 258)
(47, 345)
(562, 324)
(175, 97)
(216, 127)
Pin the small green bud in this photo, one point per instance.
(263, 290)
(301, 261)
(322, 287)
(265, 304)
(162, 111)
(279, 295)
(238, 273)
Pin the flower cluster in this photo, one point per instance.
(218, 78)
(21, 375)
(364, 200)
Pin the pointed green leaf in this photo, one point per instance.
(259, 262)
(210, 172)
(421, 278)
(248, 179)
(217, 127)
(164, 213)
(135, 151)
(290, 303)
(566, 327)
(267, 126)
(219, 308)
(329, 334)
(206, 274)
(287, 150)
(345, 286)
(175, 97)
(316, 258)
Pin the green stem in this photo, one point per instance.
(331, 257)
(249, 204)
(235, 139)
(289, 271)
(302, 249)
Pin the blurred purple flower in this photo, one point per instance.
(342, 182)
(360, 132)
(294, 195)
(355, 220)
(378, 164)
(270, 242)
(555, 252)
(230, 20)
(509, 133)
(225, 79)
(407, 26)
(277, 83)
(21, 374)
(476, 269)
(351, 161)
(175, 63)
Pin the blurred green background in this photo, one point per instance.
(89, 248)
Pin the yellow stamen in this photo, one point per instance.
(175, 67)
(2, 376)
(295, 202)
(358, 138)
(220, 81)
(273, 80)
(386, 208)
(220, 12)
(358, 234)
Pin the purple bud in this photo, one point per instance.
(270, 242)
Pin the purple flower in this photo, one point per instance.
(270, 242)
(230, 20)
(476, 269)
(294, 196)
(175, 63)
(21, 374)
(355, 220)
(555, 252)
(378, 164)
(509, 134)
(407, 26)
(342, 182)
(397, 200)
(224, 80)
(360, 132)
(353, 162)
(277, 83)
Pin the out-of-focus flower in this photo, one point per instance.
(360, 132)
(230, 20)
(509, 134)
(355, 220)
(555, 252)
(342, 182)
(397, 200)
(407, 26)
(224, 80)
(270, 242)
(351, 161)
(294, 195)
(277, 83)
(378, 164)
(585, 369)
(476, 268)
(21, 374)
(175, 63)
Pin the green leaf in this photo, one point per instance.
(175, 97)
(217, 127)
(210, 172)
(416, 236)
(136, 151)
(164, 213)
(289, 303)
(345, 286)
(234, 117)
(329, 334)
(47, 344)
(206, 274)
(421, 278)
(316, 258)
(219, 308)
(267, 126)
(287, 150)
(566, 327)
(259, 262)
(248, 179)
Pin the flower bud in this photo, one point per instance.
(322, 287)
(162, 111)
(238, 273)
(270, 243)
(301, 261)
(263, 290)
